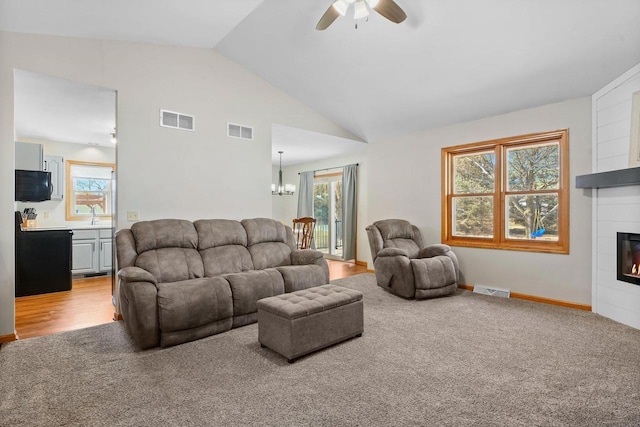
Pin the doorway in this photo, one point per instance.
(69, 123)
(327, 210)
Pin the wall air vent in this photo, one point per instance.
(171, 119)
(496, 292)
(239, 131)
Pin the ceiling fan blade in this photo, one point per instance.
(327, 19)
(390, 10)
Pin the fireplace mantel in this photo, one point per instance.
(617, 178)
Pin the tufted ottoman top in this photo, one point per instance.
(308, 301)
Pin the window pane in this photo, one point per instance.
(91, 195)
(321, 214)
(90, 184)
(532, 217)
(533, 167)
(473, 216)
(474, 173)
(86, 201)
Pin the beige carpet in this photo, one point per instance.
(465, 360)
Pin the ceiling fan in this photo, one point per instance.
(387, 8)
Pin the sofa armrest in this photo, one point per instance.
(136, 274)
(389, 252)
(433, 250)
(305, 256)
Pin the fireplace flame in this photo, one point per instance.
(634, 269)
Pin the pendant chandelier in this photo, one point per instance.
(287, 189)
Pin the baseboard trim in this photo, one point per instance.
(363, 263)
(543, 300)
(370, 270)
(8, 338)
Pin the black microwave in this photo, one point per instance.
(33, 186)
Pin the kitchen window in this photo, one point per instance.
(510, 193)
(89, 190)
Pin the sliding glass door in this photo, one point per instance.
(327, 209)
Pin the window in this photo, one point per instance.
(88, 190)
(511, 193)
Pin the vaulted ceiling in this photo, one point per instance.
(450, 61)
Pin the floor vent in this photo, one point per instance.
(496, 292)
(239, 131)
(171, 119)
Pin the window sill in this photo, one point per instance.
(549, 248)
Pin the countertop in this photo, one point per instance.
(67, 227)
(49, 228)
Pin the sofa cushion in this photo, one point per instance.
(261, 230)
(267, 241)
(192, 303)
(408, 246)
(172, 264)
(222, 244)
(167, 249)
(250, 286)
(219, 232)
(298, 277)
(435, 272)
(269, 255)
(226, 259)
(164, 233)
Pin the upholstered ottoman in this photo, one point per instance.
(297, 323)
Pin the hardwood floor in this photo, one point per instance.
(341, 269)
(89, 304)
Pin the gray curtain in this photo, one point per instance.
(349, 178)
(305, 195)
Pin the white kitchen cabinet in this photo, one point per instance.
(106, 258)
(55, 165)
(29, 156)
(83, 256)
(92, 251)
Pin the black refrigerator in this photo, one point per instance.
(43, 260)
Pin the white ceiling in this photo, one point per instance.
(56, 109)
(450, 61)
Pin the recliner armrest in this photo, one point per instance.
(434, 250)
(136, 274)
(305, 256)
(389, 252)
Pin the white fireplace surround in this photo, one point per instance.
(614, 208)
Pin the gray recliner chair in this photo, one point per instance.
(405, 266)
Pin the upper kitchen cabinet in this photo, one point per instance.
(55, 165)
(29, 156)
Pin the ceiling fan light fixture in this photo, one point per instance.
(360, 10)
(341, 6)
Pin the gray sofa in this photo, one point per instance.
(181, 280)
(405, 266)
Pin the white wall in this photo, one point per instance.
(405, 182)
(80, 152)
(618, 208)
(285, 207)
(161, 172)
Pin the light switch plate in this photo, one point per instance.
(132, 215)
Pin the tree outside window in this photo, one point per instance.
(510, 193)
(88, 190)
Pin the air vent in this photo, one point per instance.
(496, 292)
(171, 119)
(239, 131)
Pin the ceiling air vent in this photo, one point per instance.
(239, 131)
(171, 119)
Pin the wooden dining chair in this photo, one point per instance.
(303, 229)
